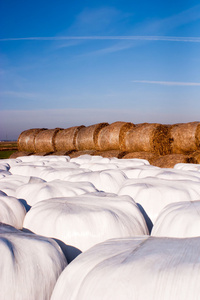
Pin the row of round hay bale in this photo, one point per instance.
(65, 139)
(26, 140)
(170, 160)
(111, 137)
(185, 137)
(87, 137)
(148, 137)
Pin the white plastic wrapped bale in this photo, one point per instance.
(86, 220)
(37, 190)
(12, 211)
(162, 173)
(188, 167)
(9, 184)
(108, 181)
(30, 265)
(153, 194)
(180, 220)
(133, 269)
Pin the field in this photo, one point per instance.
(7, 148)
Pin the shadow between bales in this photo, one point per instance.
(26, 205)
(146, 217)
(69, 251)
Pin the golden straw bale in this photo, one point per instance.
(73, 154)
(148, 137)
(110, 153)
(170, 160)
(87, 137)
(194, 157)
(26, 140)
(45, 140)
(19, 153)
(186, 137)
(65, 139)
(111, 137)
(141, 155)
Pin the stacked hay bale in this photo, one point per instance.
(26, 140)
(65, 140)
(153, 138)
(110, 139)
(45, 141)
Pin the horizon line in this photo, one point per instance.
(134, 37)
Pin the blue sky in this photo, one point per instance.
(67, 63)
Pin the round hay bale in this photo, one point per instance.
(110, 153)
(19, 153)
(87, 136)
(186, 137)
(170, 160)
(65, 139)
(26, 140)
(141, 155)
(45, 140)
(111, 137)
(151, 137)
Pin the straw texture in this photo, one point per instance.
(26, 140)
(170, 160)
(65, 139)
(141, 155)
(111, 137)
(87, 137)
(149, 138)
(45, 140)
(186, 137)
(111, 153)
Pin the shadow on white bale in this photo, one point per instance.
(86, 220)
(12, 211)
(30, 265)
(180, 220)
(133, 269)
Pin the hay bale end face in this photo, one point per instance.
(87, 137)
(65, 139)
(146, 137)
(186, 137)
(111, 137)
(170, 160)
(45, 140)
(26, 140)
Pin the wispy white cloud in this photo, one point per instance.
(133, 37)
(171, 83)
(16, 94)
